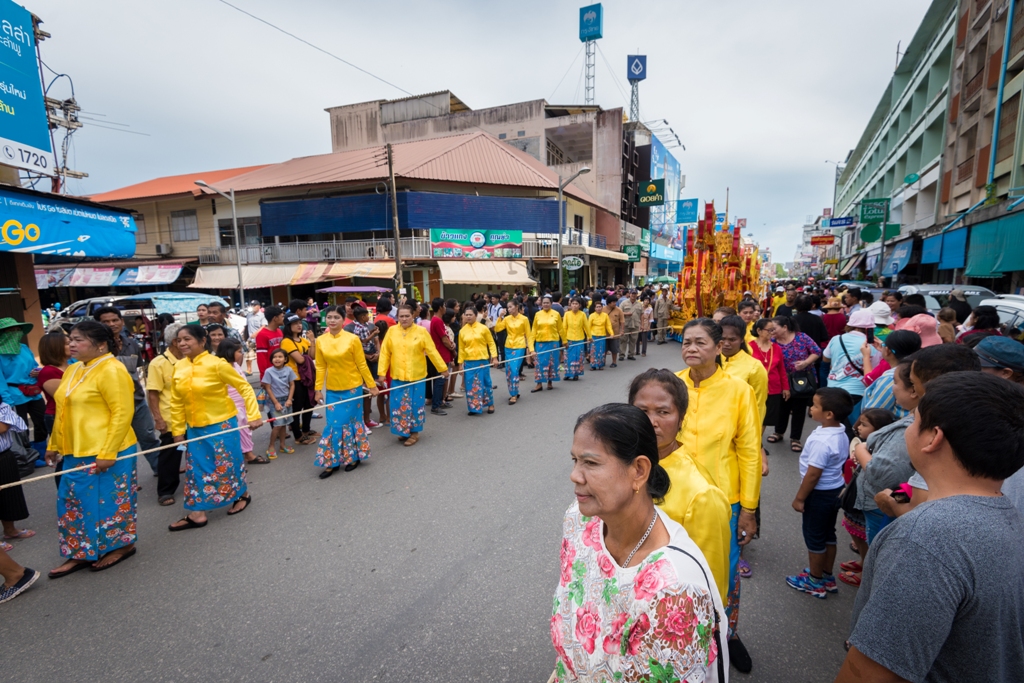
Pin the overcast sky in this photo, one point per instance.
(761, 93)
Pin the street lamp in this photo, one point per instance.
(238, 245)
(561, 217)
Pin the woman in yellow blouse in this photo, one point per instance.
(577, 334)
(600, 330)
(517, 341)
(547, 336)
(342, 371)
(721, 431)
(201, 407)
(403, 352)
(477, 353)
(93, 426)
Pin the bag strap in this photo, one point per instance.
(848, 358)
(717, 631)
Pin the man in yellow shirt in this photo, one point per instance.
(159, 385)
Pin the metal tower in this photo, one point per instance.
(634, 101)
(636, 71)
(588, 91)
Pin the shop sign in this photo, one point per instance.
(823, 240)
(652, 192)
(25, 133)
(572, 263)
(873, 210)
(448, 243)
(632, 251)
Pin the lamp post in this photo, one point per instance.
(234, 224)
(561, 218)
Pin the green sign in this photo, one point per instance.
(633, 251)
(892, 230)
(572, 263)
(912, 178)
(652, 192)
(447, 243)
(871, 233)
(873, 210)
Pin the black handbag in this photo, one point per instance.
(848, 498)
(802, 384)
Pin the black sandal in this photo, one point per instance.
(189, 524)
(512, 400)
(774, 438)
(125, 556)
(76, 568)
(328, 472)
(248, 501)
(796, 446)
(540, 387)
(258, 460)
(490, 411)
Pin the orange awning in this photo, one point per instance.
(374, 269)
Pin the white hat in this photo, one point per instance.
(780, 288)
(882, 313)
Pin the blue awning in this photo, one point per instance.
(931, 250)
(897, 258)
(41, 223)
(954, 248)
(997, 247)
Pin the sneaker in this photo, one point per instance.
(828, 579)
(456, 395)
(372, 425)
(437, 411)
(447, 404)
(808, 584)
(9, 593)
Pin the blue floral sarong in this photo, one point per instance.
(406, 401)
(96, 512)
(479, 393)
(513, 364)
(574, 359)
(548, 358)
(597, 352)
(344, 440)
(215, 467)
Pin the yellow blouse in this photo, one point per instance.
(702, 509)
(341, 363)
(200, 395)
(94, 409)
(160, 378)
(721, 431)
(547, 327)
(745, 367)
(600, 325)
(476, 343)
(287, 345)
(405, 351)
(577, 327)
(750, 336)
(518, 328)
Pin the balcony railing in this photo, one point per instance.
(965, 171)
(973, 86)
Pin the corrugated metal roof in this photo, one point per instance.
(473, 158)
(168, 185)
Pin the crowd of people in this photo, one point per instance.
(667, 482)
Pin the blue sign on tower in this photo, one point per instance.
(636, 67)
(24, 130)
(686, 210)
(591, 22)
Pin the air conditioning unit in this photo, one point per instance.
(164, 249)
(377, 251)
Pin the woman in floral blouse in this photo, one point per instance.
(636, 600)
(799, 352)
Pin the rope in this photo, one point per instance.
(136, 454)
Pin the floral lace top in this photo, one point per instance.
(797, 350)
(653, 622)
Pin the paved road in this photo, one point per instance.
(434, 563)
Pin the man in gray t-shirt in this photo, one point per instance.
(941, 598)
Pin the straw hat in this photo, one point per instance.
(833, 304)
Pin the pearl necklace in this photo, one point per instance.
(646, 534)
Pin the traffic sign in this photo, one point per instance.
(873, 210)
(840, 222)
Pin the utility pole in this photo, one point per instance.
(394, 221)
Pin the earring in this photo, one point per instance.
(636, 491)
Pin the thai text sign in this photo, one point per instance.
(35, 223)
(823, 240)
(591, 22)
(447, 243)
(873, 210)
(652, 192)
(24, 130)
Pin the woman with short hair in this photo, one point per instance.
(202, 409)
(663, 617)
(799, 352)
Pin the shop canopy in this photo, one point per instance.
(954, 247)
(897, 257)
(997, 247)
(383, 270)
(931, 250)
(353, 290)
(176, 303)
(254, 276)
(851, 265)
(47, 225)
(485, 273)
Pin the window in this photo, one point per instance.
(577, 222)
(248, 231)
(502, 136)
(184, 226)
(140, 228)
(521, 133)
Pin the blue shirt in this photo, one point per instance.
(846, 365)
(15, 369)
(879, 395)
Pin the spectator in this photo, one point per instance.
(384, 309)
(883, 319)
(845, 355)
(18, 368)
(893, 299)
(879, 394)
(947, 325)
(810, 324)
(219, 316)
(926, 328)
(834, 318)
(255, 320)
(983, 322)
(958, 302)
(787, 308)
(445, 346)
(799, 353)
(54, 353)
(17, 579)
(976, 587)
(269, 338)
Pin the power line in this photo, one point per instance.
(116, 130)
(566, 72)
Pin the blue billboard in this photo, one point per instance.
(687, 210)
(636, 67)
(24, 130)
(663, 223)
(591, 22)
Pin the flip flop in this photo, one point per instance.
(851, 566)
(851, 578)
(116, 562)
(59, 575)
(248, 501)
(24, 533)
(190, 524)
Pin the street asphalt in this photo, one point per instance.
(431, 563)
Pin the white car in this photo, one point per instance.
(1011, 313)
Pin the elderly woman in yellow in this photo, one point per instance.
(342, 371)
(693, 501)
(547, 336)
(93, 426)
(577, 333)
(721, 431)
(477, 353)
(201, 407)
(600, 330)
(516, 327)
(403, 352)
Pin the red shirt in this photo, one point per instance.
(778, 381)
(835, 323)
(266, 341)
(386, 318)
(437, 333)
(47, 373)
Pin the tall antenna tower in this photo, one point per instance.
(636, 71)
(591, 30)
